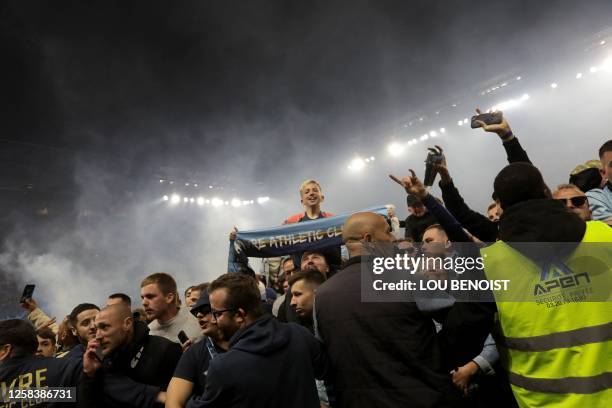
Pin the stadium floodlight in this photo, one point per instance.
(607, 65)
(465, 121)
(216, 202)
(252, 202)
(175, 199)
(372, 158)
(433, 133)
(236, 202)
(554, 85)
(192, 200)
(593, 70)
(200, 201)
(261, 200)
(187, 184)
(460, 123)
(395, 149)
(165, 198)
(442, 130)
(424, 137)
(518, 78)
(161, 180)
(579, 75)
(357, 164)
(207, 201)
(185, 200)
(246, 202)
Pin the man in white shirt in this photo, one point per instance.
(160, 301)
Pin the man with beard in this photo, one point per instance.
(82, 322)
(269, 364)
(190, 374)
(395, 360)
(127, 350)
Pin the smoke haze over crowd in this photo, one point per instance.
(104, 99)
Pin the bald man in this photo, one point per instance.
(392, 358)
(127, 350)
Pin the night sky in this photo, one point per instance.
(102, 99)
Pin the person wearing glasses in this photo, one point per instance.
(190, 375)
(269, 363)
(574, 200)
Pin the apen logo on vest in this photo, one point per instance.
(559, 276)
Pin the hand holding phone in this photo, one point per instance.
(487, 118)
(28, 291)
(182, 336)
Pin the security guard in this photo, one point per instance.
(554, 323)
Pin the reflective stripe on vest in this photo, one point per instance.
(556, 354)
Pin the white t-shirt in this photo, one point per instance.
(184, 320)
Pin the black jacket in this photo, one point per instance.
(476, 223)
(467, 324)
(269, 365)
(42, 372)
(148, 362)
(382, 354)
(416, 226)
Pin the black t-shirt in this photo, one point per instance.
(194, 362)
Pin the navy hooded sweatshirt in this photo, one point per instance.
(269, 364)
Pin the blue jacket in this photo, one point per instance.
(600, 203)
(269, 364)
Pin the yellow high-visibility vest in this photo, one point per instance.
(554, 330)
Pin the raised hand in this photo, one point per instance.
(502, 129)
(411, 184)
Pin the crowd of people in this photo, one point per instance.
(304, 337)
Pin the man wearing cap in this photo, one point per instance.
(418, 220)
(190, 374)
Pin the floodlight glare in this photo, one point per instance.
(236, 202)
(200, 201)
(579, 75)
(554, 85)
(216, 202)
(175, 199)
(442, 130)
(395, 149)
(357, 164)
(165, 198)
(261, 200)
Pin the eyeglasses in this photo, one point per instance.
(577, 201)
(217, 313)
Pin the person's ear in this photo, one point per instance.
(322, 198)
(128, 322)
(5, 351)
(240, 316)
(367, 237)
